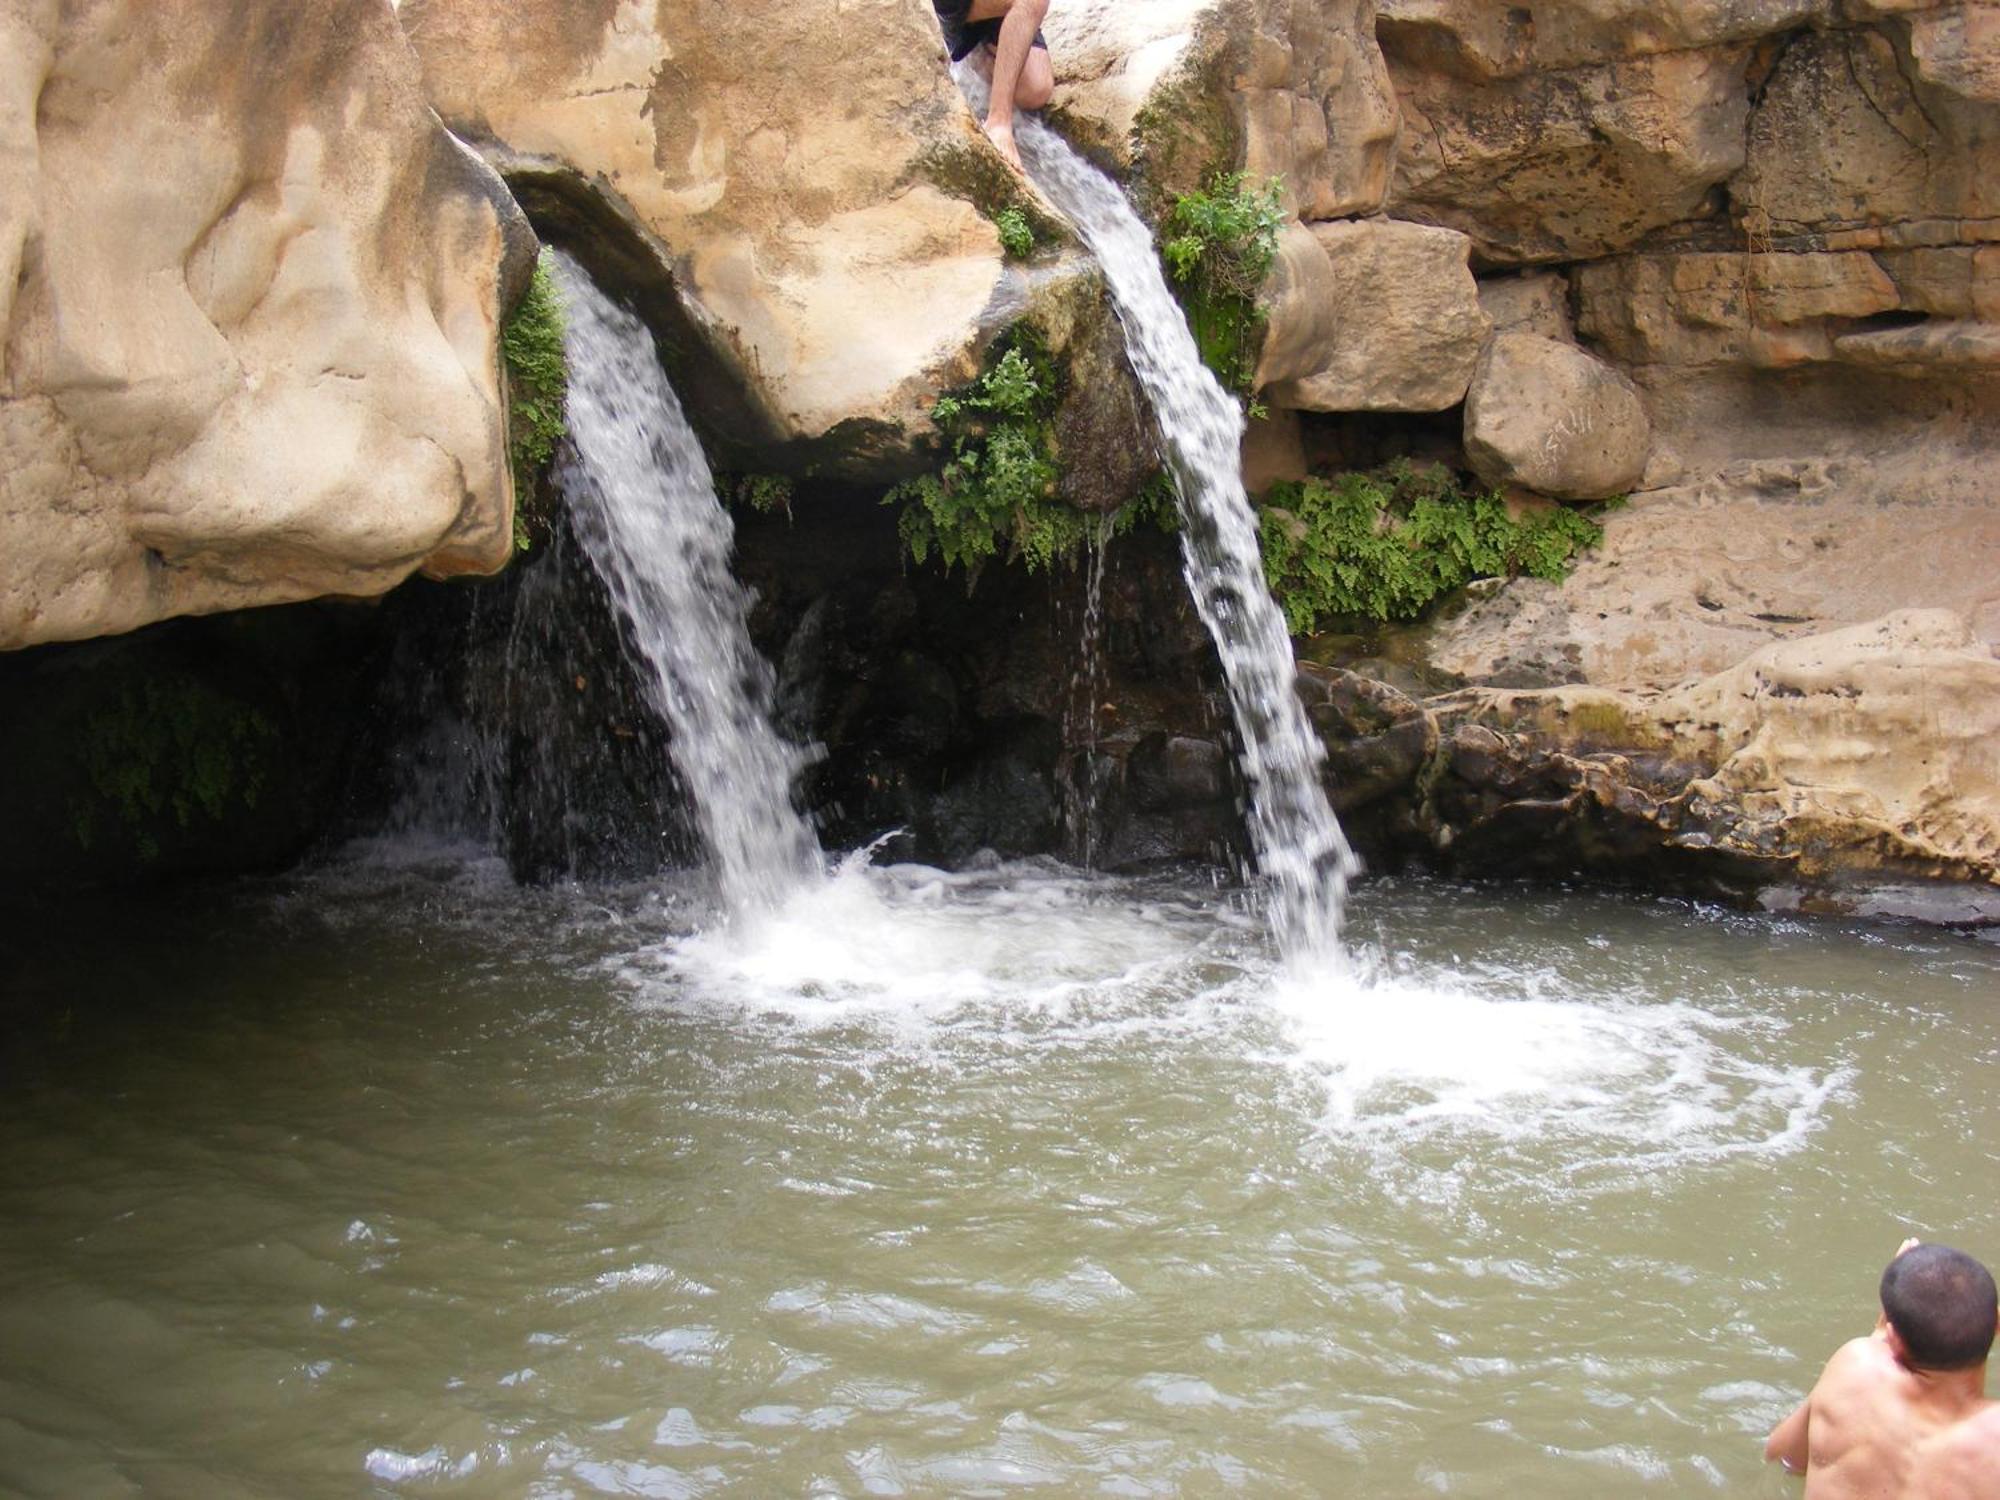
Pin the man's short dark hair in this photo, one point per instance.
(1941, 1303)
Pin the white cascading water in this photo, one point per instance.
(1300, 848)
(645, 509)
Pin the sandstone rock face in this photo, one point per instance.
(1546, 416)
(1694, 578)
(1178, 89)
(1384, 317)
(810, 242)
(250, 294)
(1850, 135)
(1857, 770)
(1881, 741)
(1531, 302)
(1571, 164)
(1704, 308)
(1476, 40)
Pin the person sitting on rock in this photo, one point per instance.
(1013, 57)
(1883, 1397)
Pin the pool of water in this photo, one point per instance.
(393, 1178)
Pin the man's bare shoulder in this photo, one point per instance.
(1865, 1360)
(1960, 1463)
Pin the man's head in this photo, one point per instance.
(1940, 1303)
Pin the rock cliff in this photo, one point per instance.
(1738, 260)
(797, 194)
(1734, 261)
(250, 294)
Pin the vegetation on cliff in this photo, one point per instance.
(169, 748)
(1218, 244)
(1385, 545)
(537, 392)
(998, 488)
(999, 483)
(1017, 234)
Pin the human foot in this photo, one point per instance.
(1001, 133)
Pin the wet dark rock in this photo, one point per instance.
(216, 744)
(979, 716)
(508, 714)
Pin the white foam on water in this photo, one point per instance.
(1526, 1057)
(908, 944)
(1394, 1053)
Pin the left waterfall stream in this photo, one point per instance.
(643, 503)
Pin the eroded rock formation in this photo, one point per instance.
(799, 190)
(251, 295)
(1858, 770)
(1737, 261)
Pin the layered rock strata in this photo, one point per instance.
(1735, 261)
(250, 298)
(1856, 771)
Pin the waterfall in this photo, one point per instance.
(644, 506)
(1300, 848)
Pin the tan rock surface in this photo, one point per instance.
(1386, 319)
(250, 293)
(1529, 302)
(1768, 310)
(781, 162)
(1957, 47)
(1550, 417)
(1879, 740)
(1479, 39)
(1857, 769)
(1571, 164)
(1691, 580)
(1848, 133)
(1293, 89)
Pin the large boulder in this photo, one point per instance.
(1371, 315)
(251, 294)
(1550, 417)
(831, 263)
(1569, 164)
(1179, 89)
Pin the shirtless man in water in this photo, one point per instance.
(1018, 66)
(1880, 1399)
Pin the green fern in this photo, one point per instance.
(1387, 545)
(1017, 235)
(1218, 244)
(997, 491)
(531, 350)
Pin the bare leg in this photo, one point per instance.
(1010, 56)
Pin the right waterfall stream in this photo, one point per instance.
(1300, 848)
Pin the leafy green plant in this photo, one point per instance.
(1218, 244)
(531, 349)
(761, 492)
(170, 747)
(1386, 545)
(997, 490)
(1017, 235)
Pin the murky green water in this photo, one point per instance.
(395, 1180)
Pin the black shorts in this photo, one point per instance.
(961, 35)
